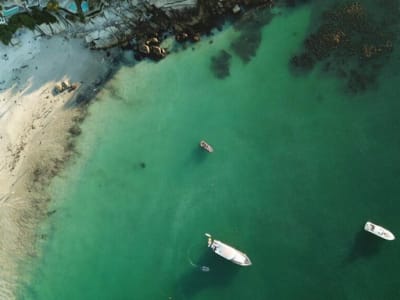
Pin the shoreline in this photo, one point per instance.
(37, 135)
(37, 127)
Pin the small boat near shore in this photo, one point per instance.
(228, 252)
(379, 231)
(206, 146)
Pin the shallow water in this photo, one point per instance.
(299, 166)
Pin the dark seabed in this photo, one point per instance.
(302, 160)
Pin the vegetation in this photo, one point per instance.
(53, 5)
(28, 20)
(71, 17)
(94, 3)
(80, 11)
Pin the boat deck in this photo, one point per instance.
(230, 253)
(224, 250)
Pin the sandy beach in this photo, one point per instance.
(35, 134)
(37, 125)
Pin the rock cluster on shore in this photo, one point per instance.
(143, 25)
(39, 126)
(186, 25)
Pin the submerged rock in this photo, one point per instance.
(250, 26)
(303, 62)
(246, 45)
(236, 9)
(145, 49)
(220, 64)
(351, 42)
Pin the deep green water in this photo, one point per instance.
(298, 168)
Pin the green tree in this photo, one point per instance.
(53, 5)
(80, 11)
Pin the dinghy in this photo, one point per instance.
(206, 146)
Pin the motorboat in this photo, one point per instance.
(228, 252)
(206, 146)
(379, 231)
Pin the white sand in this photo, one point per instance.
(34, 135)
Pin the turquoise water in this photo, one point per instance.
(10, 11)
(298, 168)
(84, 5)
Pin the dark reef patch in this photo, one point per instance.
(220, 64)
(303, 62)
(250, 26)
(246, 45)
(293, 3)
(352, 41)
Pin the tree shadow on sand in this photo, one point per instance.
(365, 245)
(221, 272)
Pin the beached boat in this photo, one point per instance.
(206, 146)
(379, 231)
(228, 252)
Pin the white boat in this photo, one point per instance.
(206, 146)
(379, 231)
(228, 252)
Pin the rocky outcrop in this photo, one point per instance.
(151, 48)
(62, 25)
(174, 4)
(103, 38)
(135, 24)
(51, 29)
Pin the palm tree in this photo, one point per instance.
(79, 8)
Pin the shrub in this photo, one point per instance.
(52, 5)
(5, 34)
(29, 20)
(42, 16)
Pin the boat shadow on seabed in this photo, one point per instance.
(365, 245)
(220, 273)
(199, 154)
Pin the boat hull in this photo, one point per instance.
(206, 146)
(379, 231)
(229, 253)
